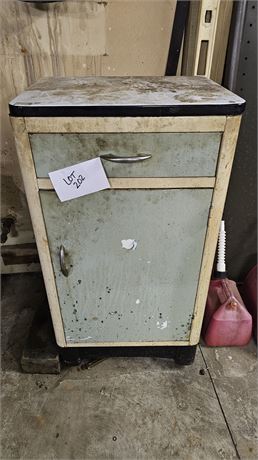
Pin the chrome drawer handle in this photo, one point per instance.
(116, 159)
(63, 266)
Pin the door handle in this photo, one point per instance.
(63, 266)
(118, 159)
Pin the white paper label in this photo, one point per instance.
(79, 180)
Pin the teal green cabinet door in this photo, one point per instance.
(133, 260)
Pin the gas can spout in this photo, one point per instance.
(221, 264)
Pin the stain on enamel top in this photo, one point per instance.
(125, 91)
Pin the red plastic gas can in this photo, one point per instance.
(226, 321)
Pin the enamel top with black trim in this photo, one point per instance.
(126, 96)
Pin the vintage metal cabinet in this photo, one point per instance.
(167, 146)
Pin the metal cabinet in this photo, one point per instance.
(102, 291)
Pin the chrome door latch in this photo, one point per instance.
(63, 266)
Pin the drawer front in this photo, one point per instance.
(116, 294)
(172, 154)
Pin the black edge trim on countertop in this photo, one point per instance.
(126, 111)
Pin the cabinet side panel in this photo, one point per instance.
(226, 157)
(32, 194)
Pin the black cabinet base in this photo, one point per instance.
(181, 355)
(42, 355)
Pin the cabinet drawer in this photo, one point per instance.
(172, 154)
(114, 294)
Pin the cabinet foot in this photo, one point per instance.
(40, 354)
(184, 356)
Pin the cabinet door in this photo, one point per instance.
(116, 294)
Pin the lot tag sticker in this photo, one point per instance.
(79, 180)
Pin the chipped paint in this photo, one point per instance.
(162, 325)
(138, 301)
(129, 244)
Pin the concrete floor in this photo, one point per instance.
(132, 408)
